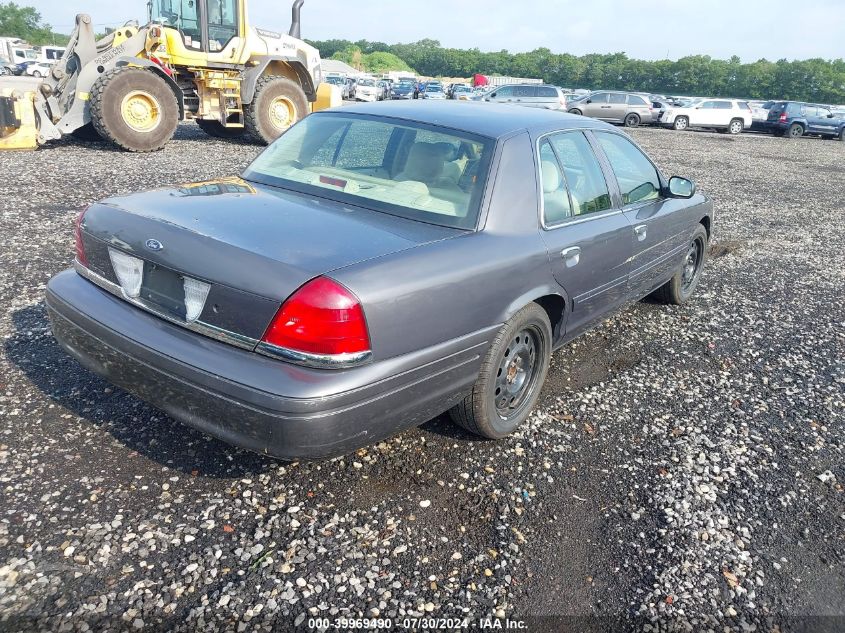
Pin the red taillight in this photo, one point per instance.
(322, 317)
(782, 117)
(80, 247)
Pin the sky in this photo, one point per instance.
(649, 29)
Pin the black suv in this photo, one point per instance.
(794, 119)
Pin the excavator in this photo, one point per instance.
(194, 59)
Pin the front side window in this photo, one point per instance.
(581, 169)
(599, 97)
(723, 105)
(181, 14)
(708, 105)
(402, 168)
(503, 93)
(637, 177)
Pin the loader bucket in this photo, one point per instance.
(328, 96)
(18, 128)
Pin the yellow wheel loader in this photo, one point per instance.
(195, 59)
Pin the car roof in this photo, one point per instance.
(483, 119)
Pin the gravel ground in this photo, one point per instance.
(684, 470)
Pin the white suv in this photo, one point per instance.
(729, 115)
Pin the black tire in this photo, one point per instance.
(779, 133)
(576, 111)
(632, 120)
(737, 126)
(680, 288)
(155, 107)
(501, 380)
(273, 92)
(681, 123)
(842, 135)
(36, 74)
(218, 130)
(796, 130)
(87, 133)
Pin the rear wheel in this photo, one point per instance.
(278, 104)
(511, 376)
(681, 123)
(135, 109)
(679, 289)
(576, 111)
(632, 120)
(218, 130)
(796, 130)
(36, 74)
(842, 135)
(736, 127)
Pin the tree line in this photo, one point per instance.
(815, 80)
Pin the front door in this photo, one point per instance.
(223, 29)
(596, 106)
(589, 241)
(821, 121)
(657, 223)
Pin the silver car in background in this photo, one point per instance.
(531, 95)
(627, 108)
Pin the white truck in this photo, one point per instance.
(14, 51)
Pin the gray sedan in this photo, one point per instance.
(376, 266)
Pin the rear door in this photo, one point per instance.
(589, 240)
(525, 95)
(657, 224)
(617, 107)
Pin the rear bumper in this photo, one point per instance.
(245, 399)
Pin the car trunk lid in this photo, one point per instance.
(252, 245)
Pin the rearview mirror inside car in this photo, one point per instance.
(681, 187)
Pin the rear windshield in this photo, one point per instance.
(413, 170)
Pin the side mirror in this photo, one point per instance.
(588, 101)
(830, 116)
(681, 187)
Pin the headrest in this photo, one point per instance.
(551, 176)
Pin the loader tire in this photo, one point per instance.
(278, 104)
(218, 130)
(135, 109)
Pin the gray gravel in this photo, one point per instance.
(684, 470)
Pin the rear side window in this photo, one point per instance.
(795, 109)
(616, 98)
(547, 92)
(636, 100)
(744, 105)
(637, 177)
(582, 172)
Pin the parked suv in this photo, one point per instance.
(532, 95)
(729, 115)
(794, 119)
(615, 107)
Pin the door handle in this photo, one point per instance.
(571, 256)
(641, 231)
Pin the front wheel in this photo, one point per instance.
(511, 376)
(736, 127)
(679, 289)
(576, 111)
(632, 120)
(278, 104)
(681, 123)
(36, 74)
(842, 135)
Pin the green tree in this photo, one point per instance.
(25, 23)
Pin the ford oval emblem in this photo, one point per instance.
(154, 245)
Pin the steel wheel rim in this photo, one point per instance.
(141, 111)
(692, 265)
(681, 124)
(735, 128)
(516, 376)
(282, 113)
(796, 132)
(632, 120)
